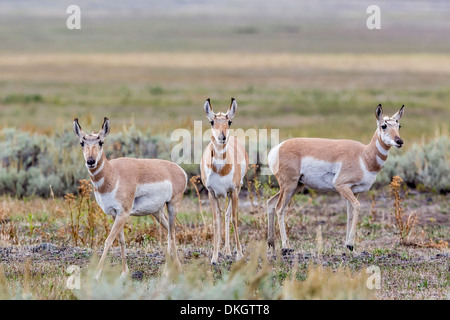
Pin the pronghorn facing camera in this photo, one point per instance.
(346, 166)
(127, 187)
(223, 167)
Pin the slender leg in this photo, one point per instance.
(227, 226)
(216, 213)
(172, 245)
(271, 203)
(235, 208)
(283, 200)
(119, 223)
(347, 193)
(159, 216)
(123, 253)
(285, 196)
(349, 219)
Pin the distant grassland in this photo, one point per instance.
(438, 63)
(326, 95)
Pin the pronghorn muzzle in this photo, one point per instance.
(222, 138)
(90, 162)
(398, 141)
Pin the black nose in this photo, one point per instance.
(90, 162)
(222, 138)
(398, 141)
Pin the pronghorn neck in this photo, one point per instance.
(375, 153)
(219, 163)
(100, 165)
(103, 176)
(218, 151)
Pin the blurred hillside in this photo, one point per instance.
(225, 25)
(308, 68)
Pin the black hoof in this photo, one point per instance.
(350, 247)
(286, 251)
(271, 244)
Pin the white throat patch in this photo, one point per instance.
(99, 169)
(381, 150)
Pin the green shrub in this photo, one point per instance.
(32, 163)
(426, 166)
(23, 98)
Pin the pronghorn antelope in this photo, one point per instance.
(346, 166)
(128, 186)
(223, 167)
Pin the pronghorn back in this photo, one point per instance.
(148, 185)
(144, 171)
(316, 162)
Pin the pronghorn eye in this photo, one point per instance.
(82, 143)
(384, 126)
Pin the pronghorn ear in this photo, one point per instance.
(105, 129)
(77, 129)
(399, 114)
(232, 110)
(379, 113)
(208, 110)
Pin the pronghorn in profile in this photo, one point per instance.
(127, 187)
(223, 167)
(346, 166)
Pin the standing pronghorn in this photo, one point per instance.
(223, 167)
(128, 186)
(346, 166)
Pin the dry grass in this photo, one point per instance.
(194, 181)
(406, 223)
(403, 222)
(417, 63)
(319, 268)
(252, 278)
(8, 234)
(88, 224)
(326, 284)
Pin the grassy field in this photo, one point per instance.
(298, 67)
(301, 95)
(42, 238)
(291, 66)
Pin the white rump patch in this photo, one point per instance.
(273, 158)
